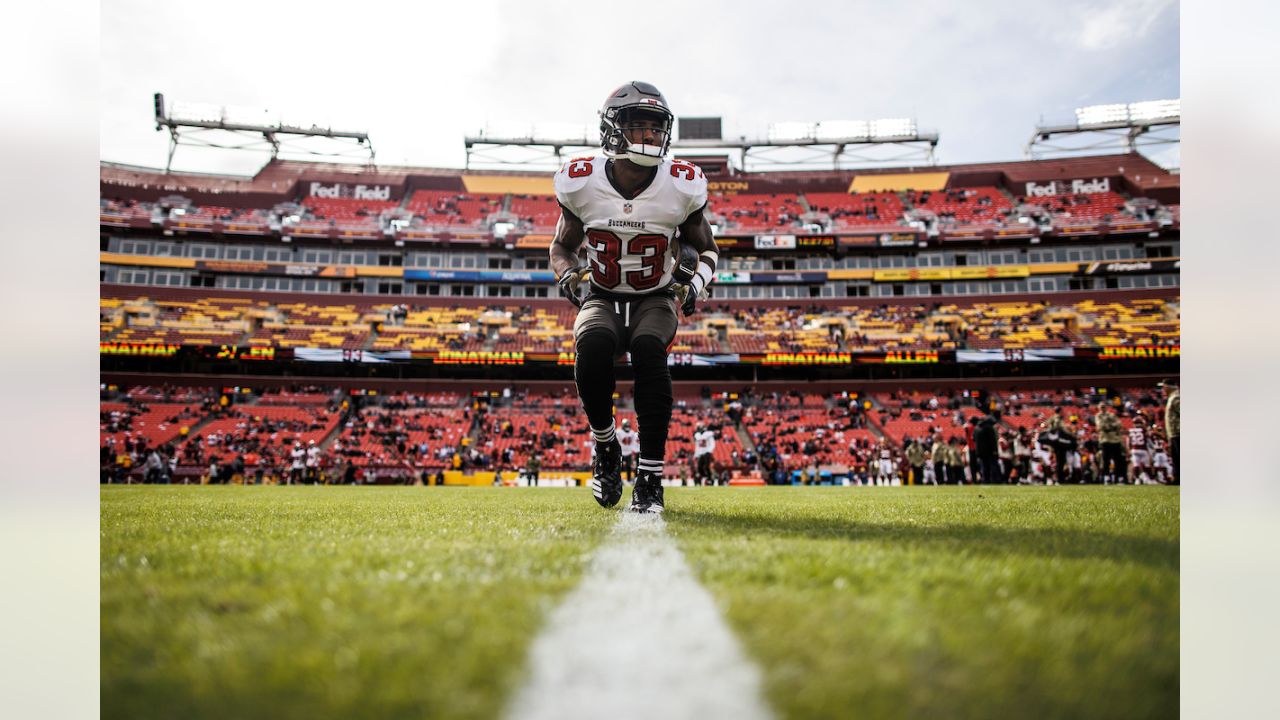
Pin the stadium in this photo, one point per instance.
(290, 344)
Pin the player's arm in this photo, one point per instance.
(692, 282)
(568, 269)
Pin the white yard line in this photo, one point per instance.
(638, 638)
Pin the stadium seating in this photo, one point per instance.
(774, 211)
(964, 206)
(448, 208)
(156, 424)
(347, 211)
(1082, 208)
(854, 210)
(539, 211)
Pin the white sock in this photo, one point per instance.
(604, 437)
(649, 466)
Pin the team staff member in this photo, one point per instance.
(1173, 424)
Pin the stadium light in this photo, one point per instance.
(1116, 126)
(507, 130)
(1119, 113)
(248, 128)
(893, 128)
(566, 131)
(195, 112)
(785, 131)
(1099, 114)
(843, 130)
(1155, 110)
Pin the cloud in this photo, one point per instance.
(1120, 23)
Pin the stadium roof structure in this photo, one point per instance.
(833, 145)
(1109, 128)
(191, 124)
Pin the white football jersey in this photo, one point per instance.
(1138, 438)
(704, 442)
(629, 241)
(630, 442)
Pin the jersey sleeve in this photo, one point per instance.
(691, 183)
(571, 180)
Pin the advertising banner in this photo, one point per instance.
(1139, 352)
(987, 272)
(1133, 267)
(695, 360)
(498, 276)
(1014, 355)
(533, 242)
(354, 356)
(773, 278)
(733, 278)
(287, 269)
(478, 357)
(138, 349)
(896, 239)
(775, 242)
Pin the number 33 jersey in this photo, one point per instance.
(629, 240)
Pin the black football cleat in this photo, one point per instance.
(606, 475)
(646, 496)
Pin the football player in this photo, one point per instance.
(649, 249)
(630, 441)
(704, 444)
(1140, 458)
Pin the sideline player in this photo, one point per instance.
(628, 206)
(704, 444)
(1140, 458)
(1160, 461)
(629, 440)
(884, 467)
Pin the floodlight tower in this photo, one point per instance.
(789, 146)
(1109, 128)
(189, 124)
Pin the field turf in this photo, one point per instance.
(269, 602)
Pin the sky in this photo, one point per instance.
(419, 77)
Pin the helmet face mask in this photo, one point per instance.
(636, 107)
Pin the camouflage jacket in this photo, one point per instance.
(1173, 414)
(1110, 429)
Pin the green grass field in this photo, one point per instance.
(421, 602)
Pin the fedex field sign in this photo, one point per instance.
(1068, 187)
(359, 192)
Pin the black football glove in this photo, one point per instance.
(688, 295)
(570, 283)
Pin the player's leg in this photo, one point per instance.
(653, 327)
(596, 343)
